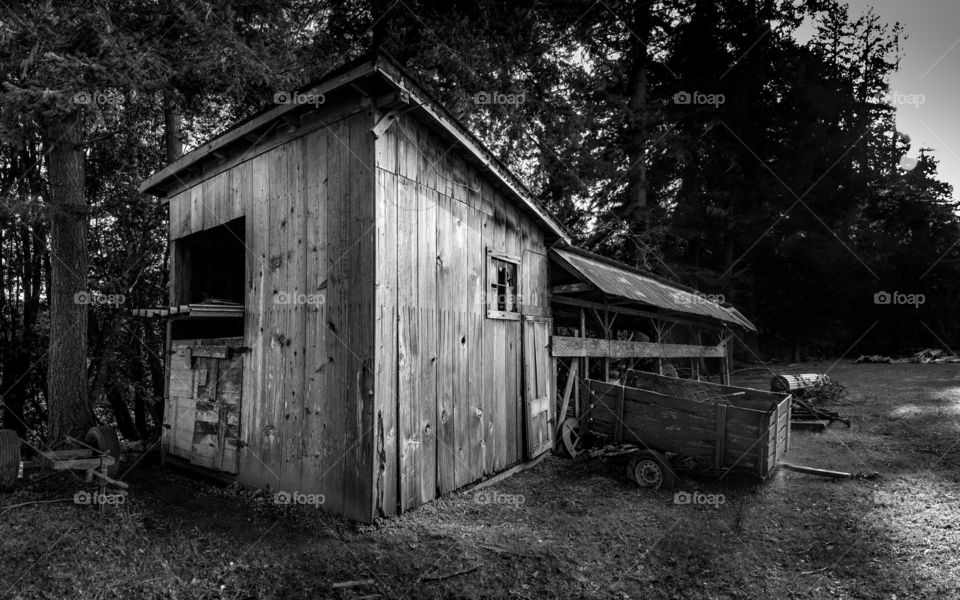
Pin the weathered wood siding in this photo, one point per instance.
(448, 380)
(374, 376)
(307, 404)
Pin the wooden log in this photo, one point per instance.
(340, 585)
(794, 383)
(816, 471)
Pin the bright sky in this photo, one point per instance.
(927, 87)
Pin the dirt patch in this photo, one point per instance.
(563, 529)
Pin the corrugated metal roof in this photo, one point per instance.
(618, 279)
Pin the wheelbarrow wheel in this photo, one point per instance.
(104, 439)
(9, 459)
(570, 434)
(649, 469)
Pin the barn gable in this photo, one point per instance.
(375, 285)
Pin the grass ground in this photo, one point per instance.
(567, 529)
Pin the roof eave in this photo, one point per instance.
(154, 184)
(384, 66)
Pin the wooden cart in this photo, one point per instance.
(673, 424)
(97, 455)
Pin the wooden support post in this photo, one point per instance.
(725, 367)
(567, 390)
(555, 389)
(583, 333)
(606, 335)
(658, 327)
(167, 357)
(576, 391)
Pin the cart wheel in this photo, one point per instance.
(648, 469)
(571, 437)
(104, 439)
(9, 459)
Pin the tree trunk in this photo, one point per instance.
(70, 412)
(173, 129)
(119, 405)
(639, 118)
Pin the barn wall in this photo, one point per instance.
(307, 408)
(448, 380)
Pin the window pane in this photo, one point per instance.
(504, 289)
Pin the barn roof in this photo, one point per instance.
(375, 76)
(622, 281)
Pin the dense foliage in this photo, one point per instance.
(699, 139)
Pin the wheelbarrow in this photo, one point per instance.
(98, 456)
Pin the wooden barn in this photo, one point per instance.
(359, 300)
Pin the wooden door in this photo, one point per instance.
(203, 411)
(216, 427)
(537, 386)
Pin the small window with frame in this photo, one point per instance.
(503, 296)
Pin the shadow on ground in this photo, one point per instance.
(563, 529)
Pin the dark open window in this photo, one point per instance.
(216, 263)
(210, 270)
(503, 290)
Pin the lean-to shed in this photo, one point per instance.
(358, 301)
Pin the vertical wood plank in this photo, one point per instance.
(197, 209)
(448, 343)
(360, 441)
(408, 342)
(337, 366)
(213, 205)
(489, 353)
(473, 262)
(315, 211)
(239, 179)
(512, 349)
(426, 261)
(276, 317)
(387, 359)
(257, 240)
(295, 257)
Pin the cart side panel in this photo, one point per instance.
(782, 432)
(778, 436)
(737, 396)
(653, 420)
(743, 439)
(687, 427)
